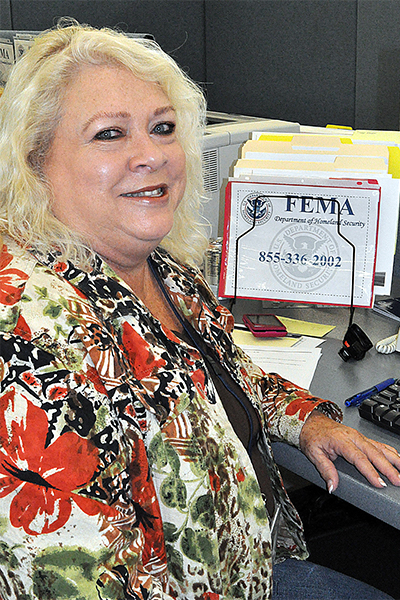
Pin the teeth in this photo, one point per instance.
(150, 193)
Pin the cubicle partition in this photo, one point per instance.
(313, 62)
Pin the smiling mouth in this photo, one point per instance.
(154, 193)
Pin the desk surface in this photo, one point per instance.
(336, 380)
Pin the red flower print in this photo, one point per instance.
(11, 280)
(57, 391)
(60, 267)
(198, 379)
(304, 406)
(210, 596)
(215, 481)
(147, 509)
(240, 475)
(30, 379)
(22, 328)
(43, 477)
(94, 377)
(140, 355)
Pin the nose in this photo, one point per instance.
(146, 153)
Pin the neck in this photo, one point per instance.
(138, 277)
(129, 264)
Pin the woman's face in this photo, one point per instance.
(115, 166)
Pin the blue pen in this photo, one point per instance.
(358, 398)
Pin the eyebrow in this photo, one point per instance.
(163, 109)
(123, 115)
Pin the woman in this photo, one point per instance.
(121, 473)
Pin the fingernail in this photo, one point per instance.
(330, 487)
(383, 484)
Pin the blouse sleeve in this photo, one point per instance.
(285, 405)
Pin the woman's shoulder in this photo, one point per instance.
(16, 268)
(21, 269)
(36, 302)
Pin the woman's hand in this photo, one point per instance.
(322, 440)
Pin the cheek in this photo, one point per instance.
(104, 173)
(85, 170)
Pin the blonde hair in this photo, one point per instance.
(30, 109)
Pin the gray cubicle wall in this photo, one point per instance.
(178, 26)
(378, 64)
(293, 60)
(309, 61)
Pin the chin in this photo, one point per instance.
(154, 235)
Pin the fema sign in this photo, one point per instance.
(293, 240)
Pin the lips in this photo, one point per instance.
(153, 192)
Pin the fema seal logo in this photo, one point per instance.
(256, 204)
(306, 257)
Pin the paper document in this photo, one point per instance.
(298, 366)
(308, 343)
(353, 164)
(266, 149)
(294, 359)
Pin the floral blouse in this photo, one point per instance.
(120, 474)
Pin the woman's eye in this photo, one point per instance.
(108, 134)
(164, 128)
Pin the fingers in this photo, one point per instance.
(371, 464)
(324, 440)
(384, 459)
(326, 469)
(390, 453)
(371, 458)
(353, 455)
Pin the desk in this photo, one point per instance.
(336, 380)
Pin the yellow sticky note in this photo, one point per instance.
(305, 327)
